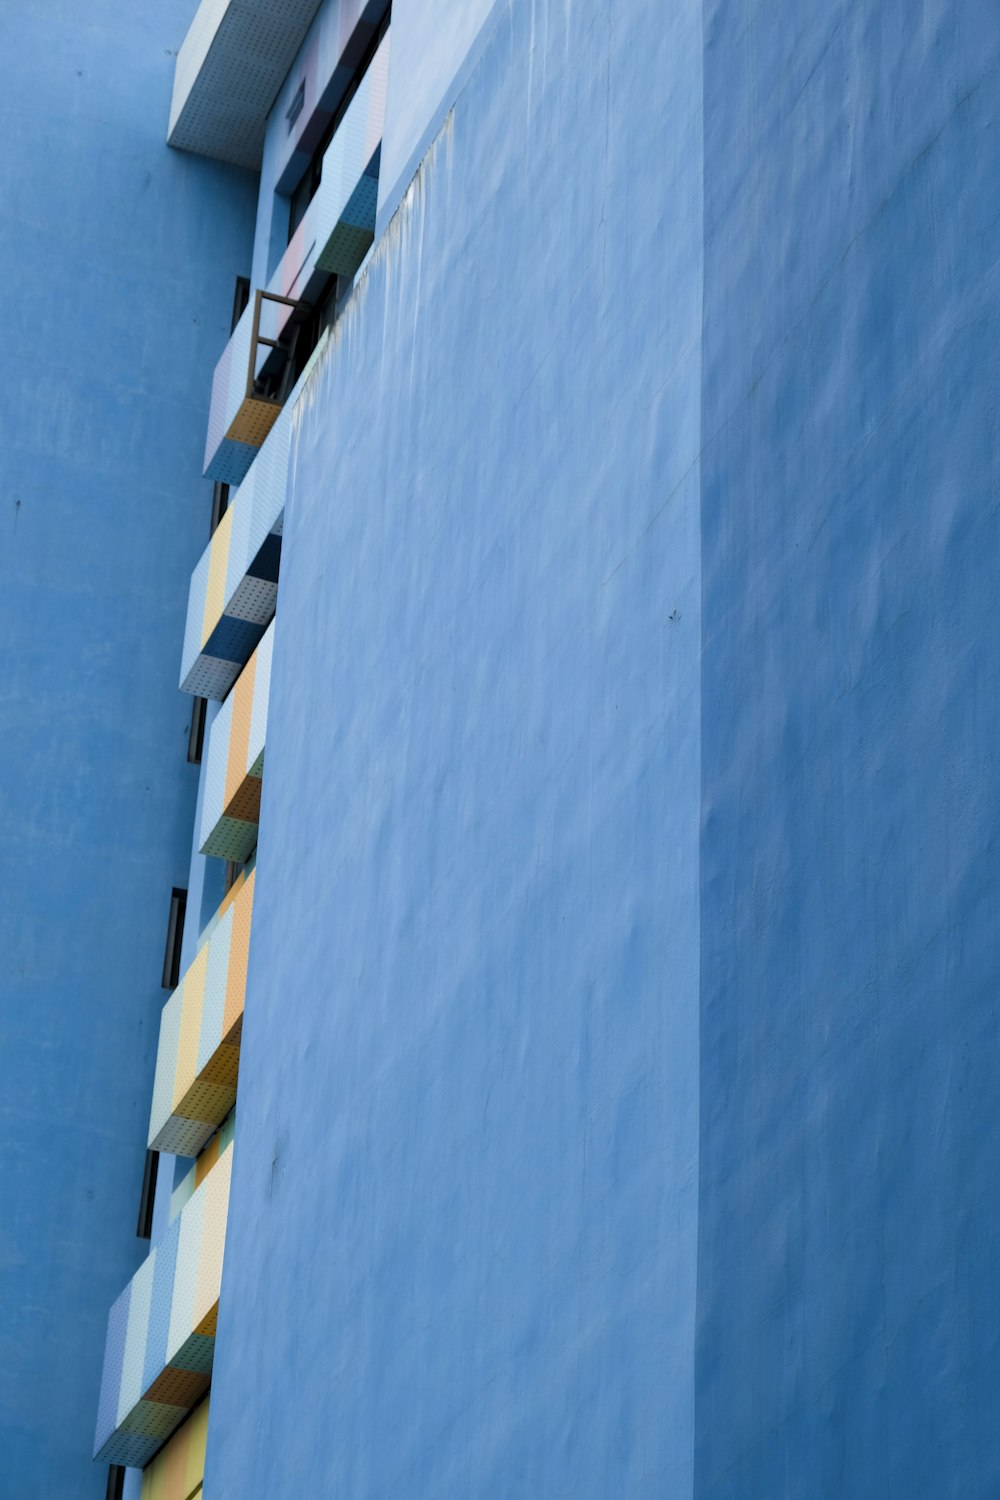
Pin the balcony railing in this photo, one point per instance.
(161, 1331)
(198, 1057)
(235, 585)
(338, 227)
(251, 382)
(234, 763)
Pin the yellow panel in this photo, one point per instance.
(178, 1470)
(196, 1448)
(218, 565)
(206, 1161)
(213, 1236)
(239, 949)
(194, 1005)
(253, 422)
(239, 732)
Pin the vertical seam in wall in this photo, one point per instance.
(701, 788)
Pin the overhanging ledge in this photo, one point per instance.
(230, 67)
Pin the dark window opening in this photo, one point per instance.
(232, 871)
(196, 734)
(147, 1197)
(304, 194)
(116, 1482)
(175, 936)
(241, 296)
(220, 504)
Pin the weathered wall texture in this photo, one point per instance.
(849, 1257)
(117, 261)
(619, 920)
(433, 40)
(461, 1256)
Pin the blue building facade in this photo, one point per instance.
(577, 1078)
(117, 260)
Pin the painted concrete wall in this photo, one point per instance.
(117, 260)
(850, 967)
(462, 1244)
(431, 41)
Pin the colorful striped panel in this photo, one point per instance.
(339, 225)
(178, 1470)
(238, 423)
(334, 236)
(234, 762)
(235, 585)
(198, 1056)
(161, 1331)
(200, 1169)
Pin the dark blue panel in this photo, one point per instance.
(265, 564)
(233, 640)
(849, 1257)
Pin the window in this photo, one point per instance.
(241, 296)
(116, 1482)
(147, 1199)
(196, 734)
(175, 936)
(220, 504)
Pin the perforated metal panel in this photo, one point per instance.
(229, 70)
(234, 588)
(234, 761)
(160, 1341)
(197, 1065)
(180, 1466)
(339, 224)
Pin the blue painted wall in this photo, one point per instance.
(431, 41)
(461, 1252)
(850, 967)
(117, 260)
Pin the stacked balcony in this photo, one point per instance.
(338, 227)
(160, 1343)
(161, 1331)
(178, 1470)
(249, 385)
(197, 1060)
(234, 764)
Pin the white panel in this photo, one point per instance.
(229, 70)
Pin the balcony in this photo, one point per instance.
(254, 375)
(234, 763)
(235, 585)
(161, 1331)
(198, 1056)
(229, 69)
(178, 1470)
(338, 227)
(251, 382)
